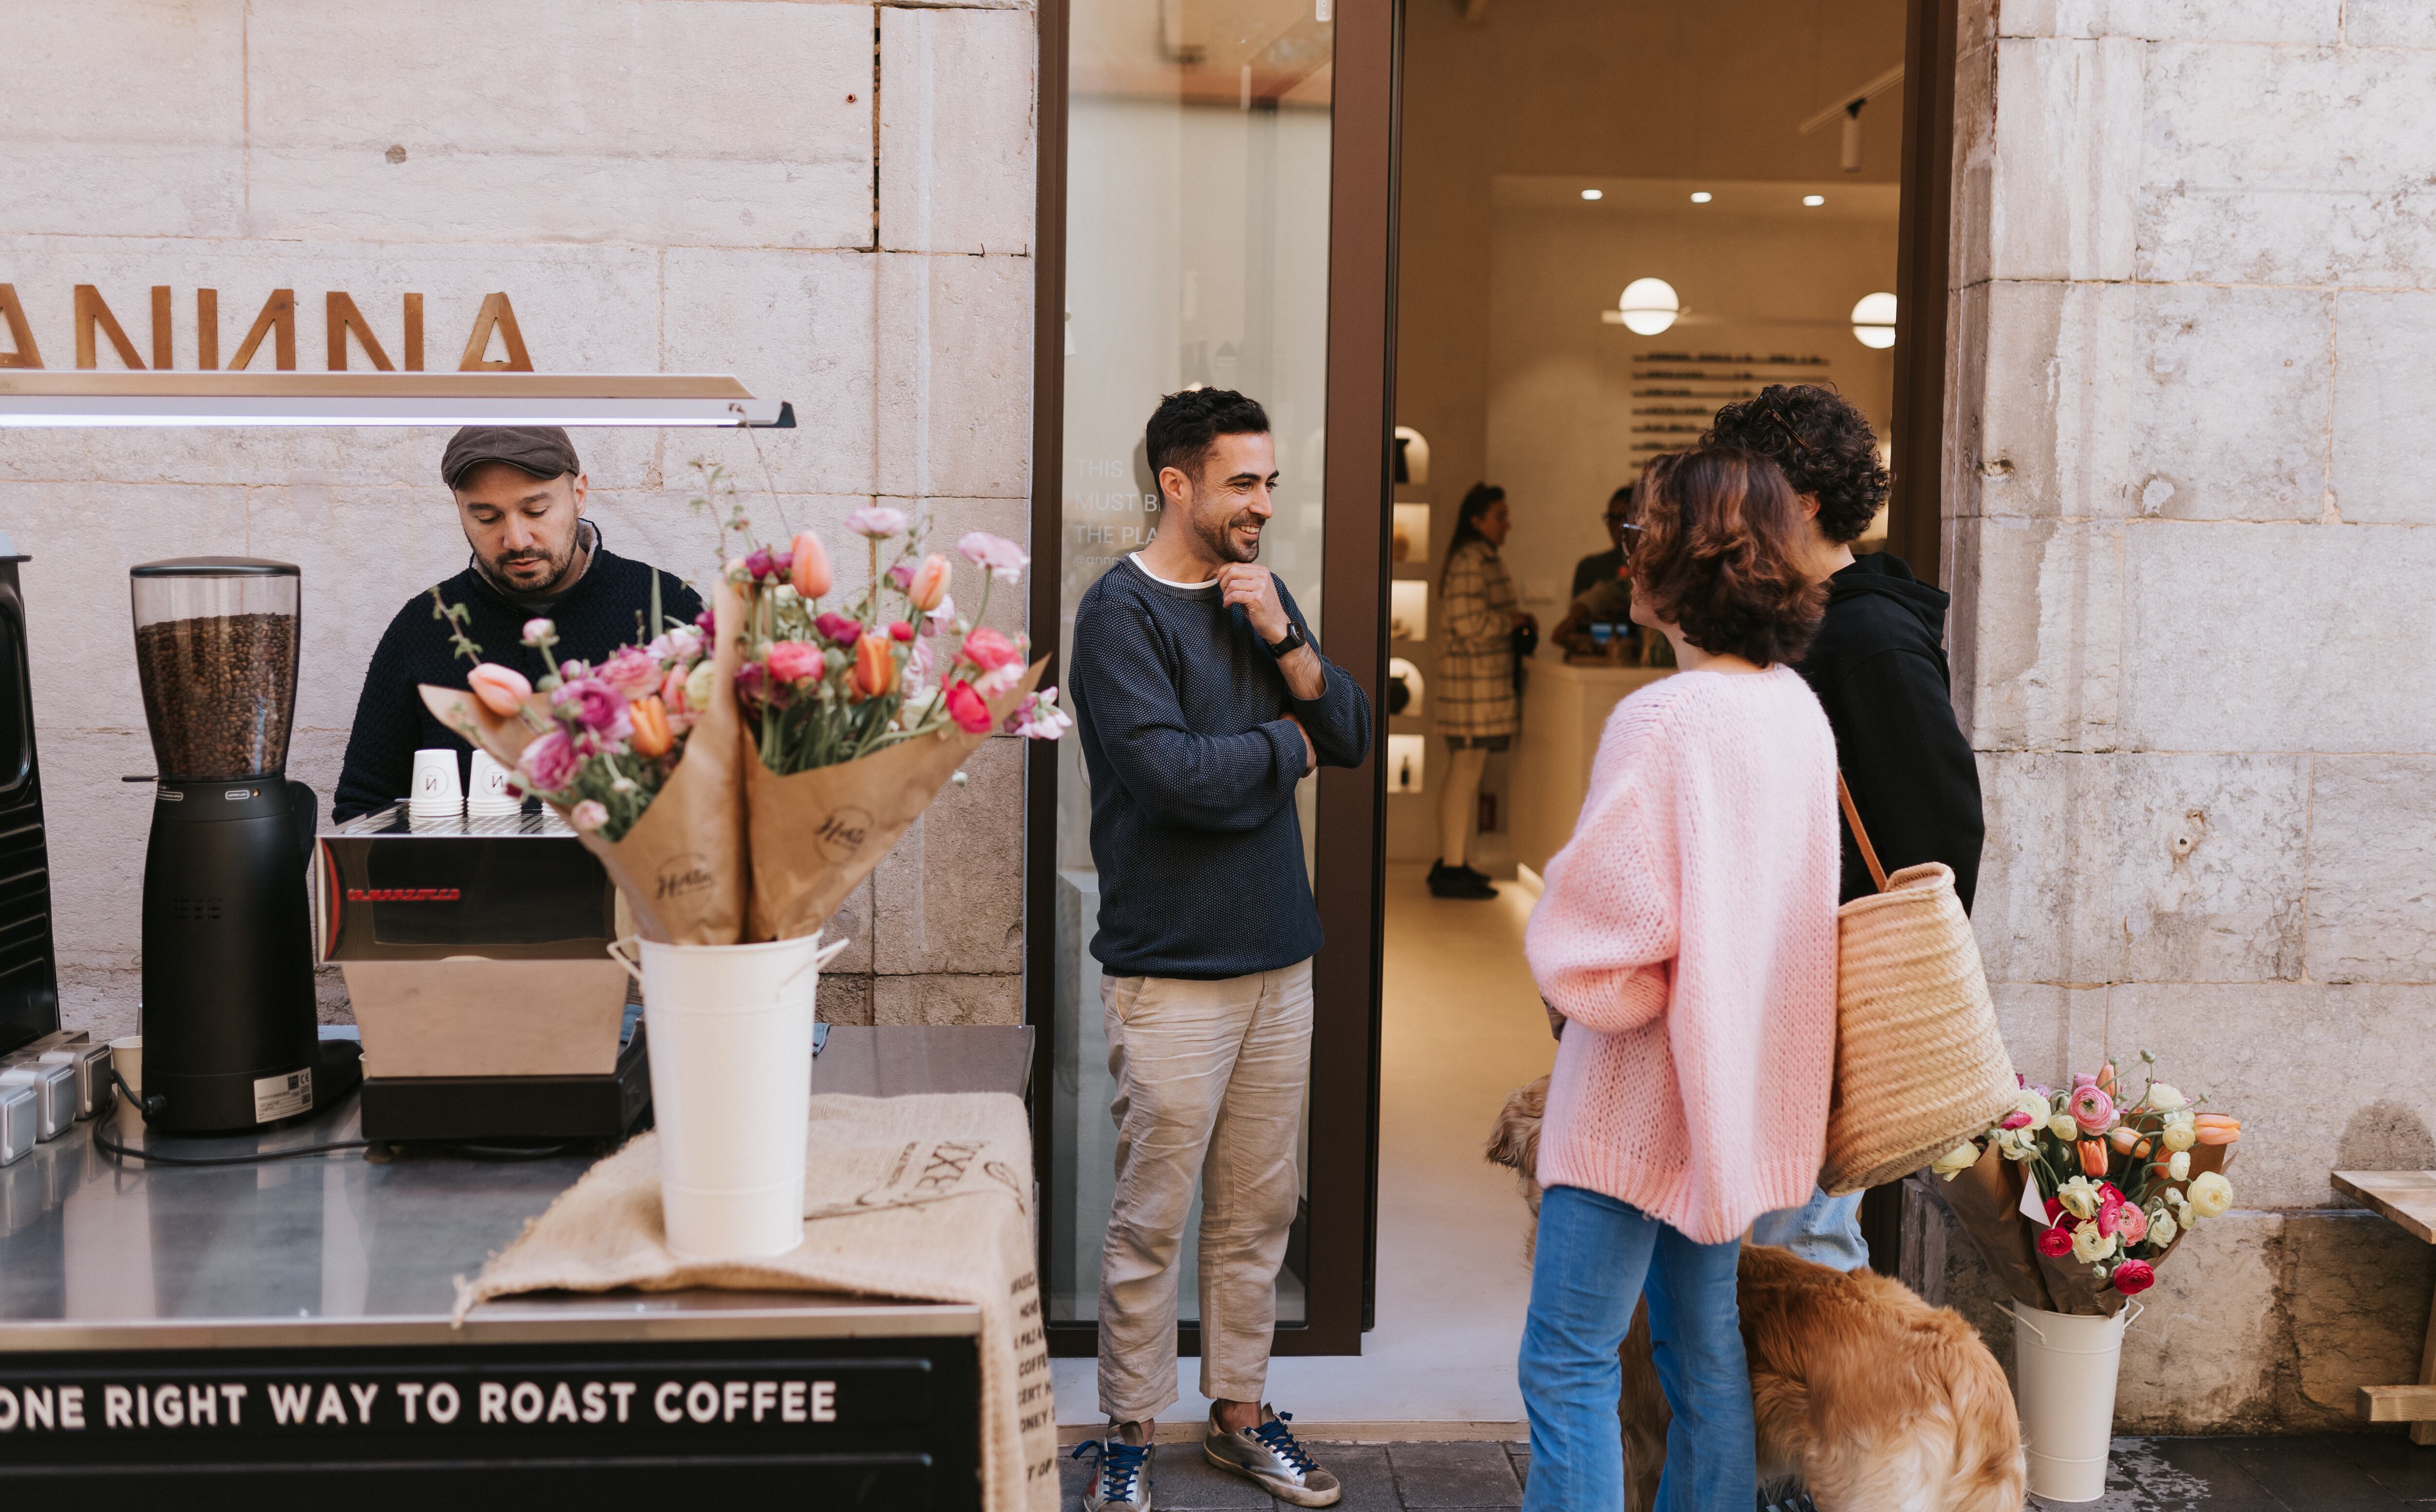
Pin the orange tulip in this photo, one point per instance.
(651, 719)
(2217, 1128)
(2093, 1159)
(929, 582)
(2106, 1078)
(809, 571)
(2126, 1140)
(874, 663)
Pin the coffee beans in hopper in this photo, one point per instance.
(219, 692)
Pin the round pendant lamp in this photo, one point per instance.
(1649, 306)
(1873, 320)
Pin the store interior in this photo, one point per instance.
(1552, 155)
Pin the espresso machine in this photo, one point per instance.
(229, 1039)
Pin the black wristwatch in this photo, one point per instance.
(1290, 643)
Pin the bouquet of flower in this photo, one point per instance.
(858, 714)
(638, 754)
(2077, 1194)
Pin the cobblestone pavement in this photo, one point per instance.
(2331, 1472)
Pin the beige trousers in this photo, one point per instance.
(1209, 1079)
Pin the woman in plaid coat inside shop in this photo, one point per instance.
(1472, 697)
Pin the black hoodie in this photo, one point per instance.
(1878, 667)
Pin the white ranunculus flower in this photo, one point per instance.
(2165, 1099)
(2090, 1246)
(2061, 1126)
(2162, 1227)
(2211, 1194)
(2179, 1137)
(2080, 1198)
(1960, 1158)
(2178, 1166)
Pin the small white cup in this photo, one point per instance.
(435, 792)
(490, 790)
(126, 1056)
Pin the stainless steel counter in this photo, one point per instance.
(338, 1250)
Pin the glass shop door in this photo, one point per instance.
(1199, 151)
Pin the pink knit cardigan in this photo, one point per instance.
(1688, 933)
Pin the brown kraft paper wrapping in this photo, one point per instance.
(815, 834)
(681, 868)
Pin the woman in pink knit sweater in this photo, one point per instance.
(1687, 936)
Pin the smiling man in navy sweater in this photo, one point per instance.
(1202, 703)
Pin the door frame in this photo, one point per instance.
(1351, 878)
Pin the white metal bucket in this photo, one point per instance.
(731, 1055)
(2065, 1372)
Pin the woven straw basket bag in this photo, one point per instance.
(1920, 1066)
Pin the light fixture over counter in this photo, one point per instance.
(1649, 306)
(1874, 322)
(41, 397)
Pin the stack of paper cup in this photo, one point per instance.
(435, 795)
(490, 790)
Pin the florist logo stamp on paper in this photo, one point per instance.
(843, 833)
(683, 876)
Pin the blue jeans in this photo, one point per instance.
(1596, 1256)
(1824, 1229)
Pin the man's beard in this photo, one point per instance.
(1220, 538)
(560, 566)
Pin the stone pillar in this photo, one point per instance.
(2194, 329)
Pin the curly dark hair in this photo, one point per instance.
(1823, 445)
(1184, 426)
(1719, 554)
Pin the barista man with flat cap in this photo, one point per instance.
(519, 492)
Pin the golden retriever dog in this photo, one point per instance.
(1873, 1400)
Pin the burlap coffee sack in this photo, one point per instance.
(927, 1198)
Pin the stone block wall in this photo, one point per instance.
(832, 201)
(2193, 359)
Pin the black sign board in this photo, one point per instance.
(880, 1423)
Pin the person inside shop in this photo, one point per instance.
(519, 492)
(1473, 699)
(1600, 594)
(1202, 702)
(1878, 667)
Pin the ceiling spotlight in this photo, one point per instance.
(1700, 196)
(1593, 193)
(1649, 306)
(1873, 320)
(1814, 200)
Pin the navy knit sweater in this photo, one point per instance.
(595, 618)
(1193, 767)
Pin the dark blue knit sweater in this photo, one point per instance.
(595, 618)
(1192, 768)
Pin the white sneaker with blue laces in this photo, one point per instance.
(1270, 1458)
(1119, 1470)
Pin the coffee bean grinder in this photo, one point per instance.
(230, 1041)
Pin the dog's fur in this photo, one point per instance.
(1870, 1397)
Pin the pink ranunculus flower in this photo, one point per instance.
(588, 815)
(2056, 1243)
(549, 762)
(901, 629)
(632, 672)
(989, 650)
(1003, 558)
(502, 689)
(540, 632)
(2131, 1224)
(966, 706)
(596, 706)
(876, 521)
(2133, 1276)
(2016, 1120)
(753, 683)
(794, 661)
(2091, 1108)
(1040, 719)
(839, 628)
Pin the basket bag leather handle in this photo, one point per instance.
(1860, 834)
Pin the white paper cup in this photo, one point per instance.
(435, 790)
(127, 1056)
(489, 794)
(731, 1056)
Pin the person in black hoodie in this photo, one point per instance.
(1878, 667)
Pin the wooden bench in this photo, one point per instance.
(2409, 1199)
